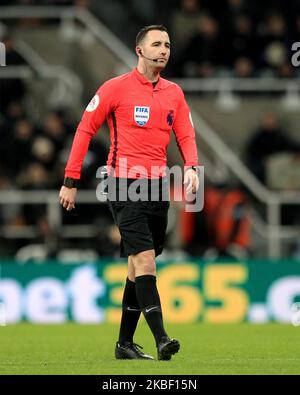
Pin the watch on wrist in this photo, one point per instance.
(193, 168)
(70, 182)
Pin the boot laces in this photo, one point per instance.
(137, 345)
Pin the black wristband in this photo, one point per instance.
(70, 182)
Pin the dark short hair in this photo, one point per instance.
(142, 33)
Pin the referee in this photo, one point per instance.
(141, 109)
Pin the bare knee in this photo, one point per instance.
(144, 263)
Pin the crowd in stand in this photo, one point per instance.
(33, 155)
(237, 38)
(210, 38)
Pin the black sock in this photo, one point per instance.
(130, 314)
(149, 301)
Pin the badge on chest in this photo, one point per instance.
(141, 115)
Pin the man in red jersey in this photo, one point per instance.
(141, 109)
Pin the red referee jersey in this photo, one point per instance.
(140, 118)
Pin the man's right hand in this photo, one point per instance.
(67, 197)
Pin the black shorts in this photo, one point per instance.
(142, 224)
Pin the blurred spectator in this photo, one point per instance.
(18, 149)
(236, 8)
(54, 129)
(35, 177)
(204, 51)
(222, 229)
(275, 42)
(47, 236)
(184, 24)
(227, 221)
(267, 140)
(243, 68)
(43, 152)
(240, 41)
(285, 70)
(11, 89)
(14, 113)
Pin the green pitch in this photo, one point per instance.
(205, 349)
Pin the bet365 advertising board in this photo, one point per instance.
(191, 291)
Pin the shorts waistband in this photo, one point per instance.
(140, 189)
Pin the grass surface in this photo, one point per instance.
(205, 349)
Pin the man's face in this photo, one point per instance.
(156, 45)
